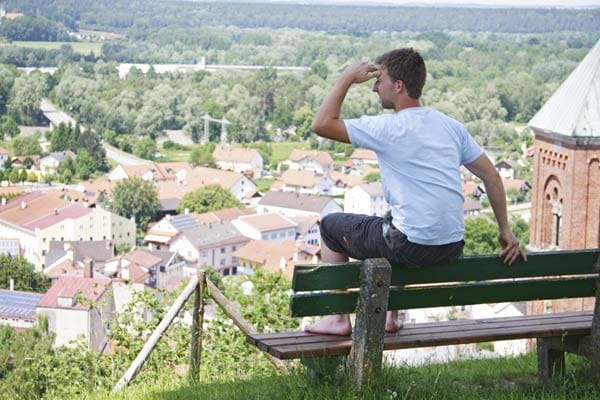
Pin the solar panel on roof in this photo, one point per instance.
(181, 222)
(19, 304)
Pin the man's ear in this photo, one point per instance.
(400, 86)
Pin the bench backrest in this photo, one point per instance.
(326, 289)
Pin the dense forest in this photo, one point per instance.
(143, 18)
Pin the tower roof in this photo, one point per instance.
(574, 109)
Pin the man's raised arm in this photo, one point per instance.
(327, 122)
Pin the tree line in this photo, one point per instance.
(142, 20)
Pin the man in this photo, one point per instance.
(420, 151)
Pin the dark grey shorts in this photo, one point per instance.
(362, 236)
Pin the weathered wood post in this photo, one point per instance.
(197, 327)
(157, 334)
(551, 358)
(595, 333)
(364, 362)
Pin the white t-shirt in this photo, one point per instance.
(420, 151)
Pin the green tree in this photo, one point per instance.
(303, 118)
(14, 176)
(201, 155)
(481, 237)
(85, 164)
(208, 198)
(520, 228)
(145, 148)
(373, 177)
(8, 127)
(22, 175)
(26, 145)
(135, 197)
(23, 273)
(65, 177)
(265, 150)
(27, 93)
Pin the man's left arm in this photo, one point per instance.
(483, 168)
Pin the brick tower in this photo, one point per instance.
(565, 207)
(565, 210)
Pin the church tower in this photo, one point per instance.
(565, 209)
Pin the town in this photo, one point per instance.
(147, 148)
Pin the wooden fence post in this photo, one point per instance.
(366, 355)
(197, 327)
(157, 334)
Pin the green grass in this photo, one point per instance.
(493, 379)
(282, 151)
(263, 185)
(84, 48)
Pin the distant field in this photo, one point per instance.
(281, 151)
(78, 47)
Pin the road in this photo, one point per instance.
(122, 158)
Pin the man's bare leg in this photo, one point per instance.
(392, 323)
(332, 324)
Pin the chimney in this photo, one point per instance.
(88, 268)
(12, 285)
(186, 211)
(55, 211)
(23, 205)
(4, 201)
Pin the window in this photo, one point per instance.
(222, 261)
(204, 253)
(233, 248)
(222, 250)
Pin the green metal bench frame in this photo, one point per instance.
(371, 287)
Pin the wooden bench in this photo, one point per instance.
(371, 287)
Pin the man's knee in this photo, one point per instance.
(328, 222)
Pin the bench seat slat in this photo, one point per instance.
(326, 303)
(301, 344)
(300, 337)
(478, 268)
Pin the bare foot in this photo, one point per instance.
(332, 325)
(392, 323)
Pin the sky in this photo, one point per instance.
(501, 3)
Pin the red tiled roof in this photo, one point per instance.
(234, 154)
(321, 157)
(71, 211)
(90, 289)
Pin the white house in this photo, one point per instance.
(307, 229)
(238, 159)
(3, 157)
(271, 227)
(210, 245)
(36, 219)
(505, 169)
(50, 163)
(292, 204)
(307, 182)
(366, 199)
(79, 308)
(310, 160)
(364, 156)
